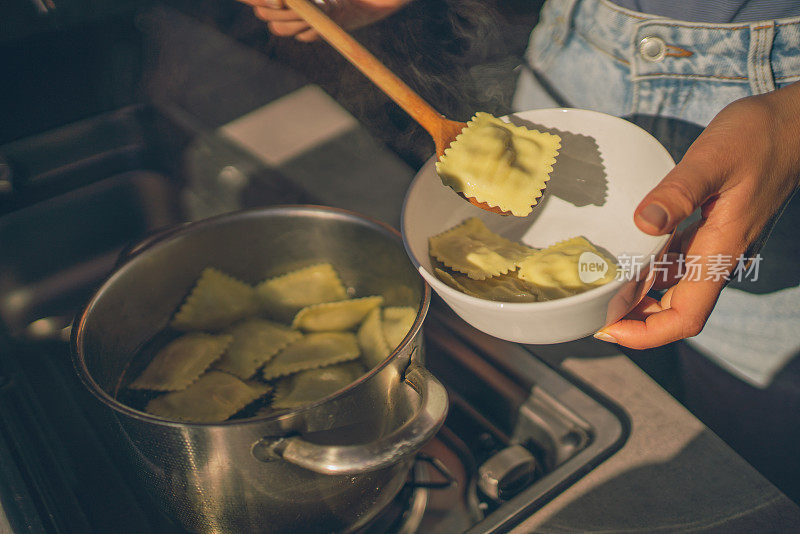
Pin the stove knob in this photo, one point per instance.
(507, 472)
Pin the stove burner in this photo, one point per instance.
(405, 513)
(518, 432)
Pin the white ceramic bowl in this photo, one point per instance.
(634, 163)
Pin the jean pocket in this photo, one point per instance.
(549, 35)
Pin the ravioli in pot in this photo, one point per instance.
(181, 361)
(214, 397)
(501, 164)
(372, 340)
(314, 350)
(397, 321)
(314, 384)
(216, 301)
(330, 316)
(211, 377)
(255, 342)
(285, 295)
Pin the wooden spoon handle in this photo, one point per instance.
(363, 60)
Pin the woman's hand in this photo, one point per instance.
(349, 14)
(740, 171)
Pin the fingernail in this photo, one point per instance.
(602, 336)
(655, 215)
(273, 4)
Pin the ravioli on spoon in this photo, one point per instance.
(499, 164)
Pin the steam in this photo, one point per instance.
(460, 55)
(451, 52)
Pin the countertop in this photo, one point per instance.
(672, 474)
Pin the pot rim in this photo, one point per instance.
(78, 324)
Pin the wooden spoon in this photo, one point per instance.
(442, 130)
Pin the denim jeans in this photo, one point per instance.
(671, 78)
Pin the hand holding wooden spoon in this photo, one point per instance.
(349, 14)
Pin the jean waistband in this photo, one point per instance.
(760, 53)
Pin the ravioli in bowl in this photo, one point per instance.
(474, 260)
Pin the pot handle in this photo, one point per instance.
(354, 459)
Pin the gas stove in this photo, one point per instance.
(517, 434)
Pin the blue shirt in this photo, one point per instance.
(715, 11)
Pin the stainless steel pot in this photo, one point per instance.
(329, 466)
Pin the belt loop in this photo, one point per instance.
(564, 20)
(759, 68)
(569, 9)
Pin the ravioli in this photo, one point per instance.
(181, 361)
(503, 288)
(568, 268)
(331, 316)
(255, 341)
(473, 249)
(498, 163)
(308, 386)
(372, 340)
(216, 301)
(314, 350)
(283, 296)
(397, 321)
(214, 397)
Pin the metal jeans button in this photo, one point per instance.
(652, 48)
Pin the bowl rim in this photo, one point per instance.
(610, 288)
